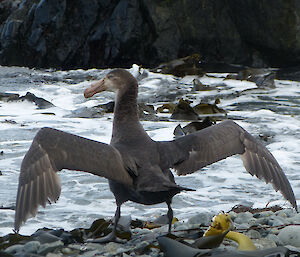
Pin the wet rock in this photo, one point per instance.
(289, 73)
(293, 217)
(45, 237)
(291, 213)
(12, 239)
(258, 211)
(90, 253)
(108, 107)
(124, 223)
(40, 102)
(206, 108)
(31, 247)
(201, 218)
(243, 217)
(275, 239)
(166, 108)
(199, 86)
(265, 138)
(188, 65)
(253, 234)
(8, 96)
(192, 127)
(178, 131)
(263, 78)
(14, 249)
(141, 247)
(266, 213)
(290, 235)
(51, 33)
(277, 221)
(67, 251)
(264, 243)
(183, 111)
(143, 241)
(49, 247)
(7, 7)
(147, 112)
(85, 112)
(5, 254)
(10, 121)
(98, 228)
(53, 255)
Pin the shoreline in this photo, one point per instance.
(266, 227)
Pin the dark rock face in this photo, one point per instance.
(270, 28)
(92, 33)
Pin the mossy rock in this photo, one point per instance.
(166, 108)
(12, 239)
(188, 65)
(206, 108)
(183, 111)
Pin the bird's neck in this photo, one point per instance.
(126, 110)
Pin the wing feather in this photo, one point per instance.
(190, 153)
(53, 150)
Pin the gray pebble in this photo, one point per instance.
(46, 237)
(275, 239)
(262, 221)
(181, 226)
(256, 215)
(266, 213)
(14, 249)
(290, 235)
(274, 231)
(289, 212)
(281, 213)
(92, 246)
(49, 247)
(67, 250)
(243, 217)
(53, 255)
(89, 253)
(162, 229)
(295, 219)
(32, 247)
(277, 221)
(140, 247)
(124, 223)
(241, 226)
(253, 234)
(233, 215)
(264, 243)
(78, 247)
(115, 248)
(201, 218)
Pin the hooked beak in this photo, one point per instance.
(95, 88)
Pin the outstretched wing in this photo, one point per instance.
(53, 150)
(190, 153)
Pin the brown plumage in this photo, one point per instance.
(138, 168)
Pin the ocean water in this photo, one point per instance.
(270, 112)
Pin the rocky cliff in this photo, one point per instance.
(100, 33)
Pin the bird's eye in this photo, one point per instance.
(109, 76)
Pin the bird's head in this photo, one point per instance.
(113, 81)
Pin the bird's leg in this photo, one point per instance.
(170, 216)
(111, 237)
